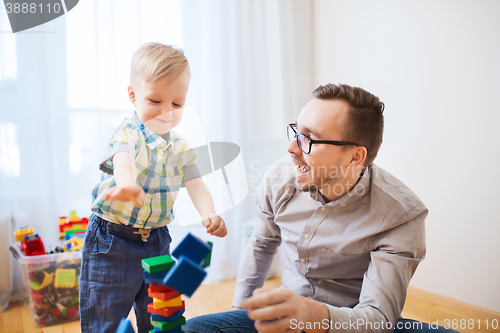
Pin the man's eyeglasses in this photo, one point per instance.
(305, 142)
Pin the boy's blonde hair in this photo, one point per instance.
(155, 62)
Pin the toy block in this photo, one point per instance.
(65, 278)
(176, 316)
(158, 275)
(162, 295)
(206, 261)
(185, 277)
(73, 244)
(174, 330)
(154, 278)
(73, 217)
(41, 280)
(159, 304)
(191, 247)
(125, 326)
(152, 281)
(166, 312)
(157, 288)
(19, 234)
(158, 264)
(168, 325)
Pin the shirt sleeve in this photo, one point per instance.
(383, 292)
(123, 140)
(263, 244)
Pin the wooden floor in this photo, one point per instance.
(217, 298)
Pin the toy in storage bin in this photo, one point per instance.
(51, 282)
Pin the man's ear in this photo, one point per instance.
(358, 156)
(131, 95)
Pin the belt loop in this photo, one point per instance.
(144, 234)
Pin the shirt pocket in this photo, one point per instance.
(335, 265)
(173, 170)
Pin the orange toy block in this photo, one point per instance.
(165, 312)
(174, 302)
(162, 295)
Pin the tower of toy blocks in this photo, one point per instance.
(169, 279)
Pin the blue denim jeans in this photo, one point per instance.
(237, 321)
(112, 279)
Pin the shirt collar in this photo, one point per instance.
(151, 139)
(358, 191)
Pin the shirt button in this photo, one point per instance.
(323, 208)
(320, 281)
(303, 260)
(306, 236)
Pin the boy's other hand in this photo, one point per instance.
(126, 193)
(215, 225)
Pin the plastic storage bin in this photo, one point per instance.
(51, 282)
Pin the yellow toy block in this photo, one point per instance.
(65, 278)
(47, 280)
(73, 244)
(21, 233)
(159, 304)
(73, 217)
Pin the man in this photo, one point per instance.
(352, 233)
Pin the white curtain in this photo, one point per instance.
(63, 91)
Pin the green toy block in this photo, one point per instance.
(158, 264)
(206, 262)
(168, 325)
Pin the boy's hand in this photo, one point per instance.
(215, 225)
(126, 193)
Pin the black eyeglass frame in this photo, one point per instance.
(311, 141)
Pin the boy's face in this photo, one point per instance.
(160, 105)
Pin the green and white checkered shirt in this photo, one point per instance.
(163, 164)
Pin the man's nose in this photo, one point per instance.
(293, 148)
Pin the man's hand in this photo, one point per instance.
(215, 224)
(126, 193)
(274, 308)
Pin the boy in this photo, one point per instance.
(146, 164)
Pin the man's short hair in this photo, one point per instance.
(156, 62)
(365, 120)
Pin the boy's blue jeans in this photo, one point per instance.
(112, 279)
(237, 321)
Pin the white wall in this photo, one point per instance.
(436, 65)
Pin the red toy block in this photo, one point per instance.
(156, 288)
(164, 296)
(166, 312)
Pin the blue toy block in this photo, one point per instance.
(173, 330)
(159, 275)
(153, 281)
(125, 326)
(185, 277)
(191, 247)
(176, 316)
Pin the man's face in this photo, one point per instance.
(160, 105)
(325, 166)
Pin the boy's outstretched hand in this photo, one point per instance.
(215, 225)
(126, 193)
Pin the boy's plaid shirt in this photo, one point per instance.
(161, 166)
